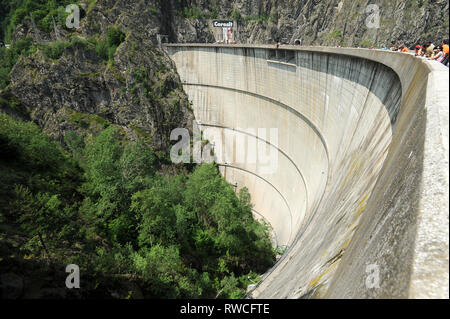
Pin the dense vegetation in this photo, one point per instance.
(13, 12)
(104, 47)
(108, 204)
(104, 205)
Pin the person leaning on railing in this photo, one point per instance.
(445, 49)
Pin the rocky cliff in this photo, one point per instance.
(316, 22)
(77, 89)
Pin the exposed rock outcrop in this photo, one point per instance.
(137, 90)
(317, 22)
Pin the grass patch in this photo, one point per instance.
(54, 50)
(85, 120)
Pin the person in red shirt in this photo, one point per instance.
(419, 50)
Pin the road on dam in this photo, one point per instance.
(345, 154)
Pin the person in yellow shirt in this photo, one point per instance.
(429, 51)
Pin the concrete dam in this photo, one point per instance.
(358, 195)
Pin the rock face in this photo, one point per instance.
(137, 90)
(317, 22)
(79, 91)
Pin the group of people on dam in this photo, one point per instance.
(439, 53)
(428, 50)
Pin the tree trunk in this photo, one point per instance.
(47, 253)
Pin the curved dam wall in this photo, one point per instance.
(345, 155)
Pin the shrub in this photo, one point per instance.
(236, 15)
(155, 11)
(193, 12)
(366, 43)
(111, 52)
(106, 49)
(77, 42)
(102, 50)
(114, 37)
(335, 34)
(55, 50)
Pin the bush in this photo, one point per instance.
(236, 15)
(18, 16)
(4, 76)
(193, 12)
(114, 37)
(77, 42)
(111, 52)
(366, 44)
(55, 50)
(106, 49)
(102, 50)
(335, 34)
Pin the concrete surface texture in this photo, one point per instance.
(354, 178)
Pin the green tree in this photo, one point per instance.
(156, 216)
(229, 230)
(107, 203)
(38, 215)
(138, 166)
(162, 268)
(203, 187)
